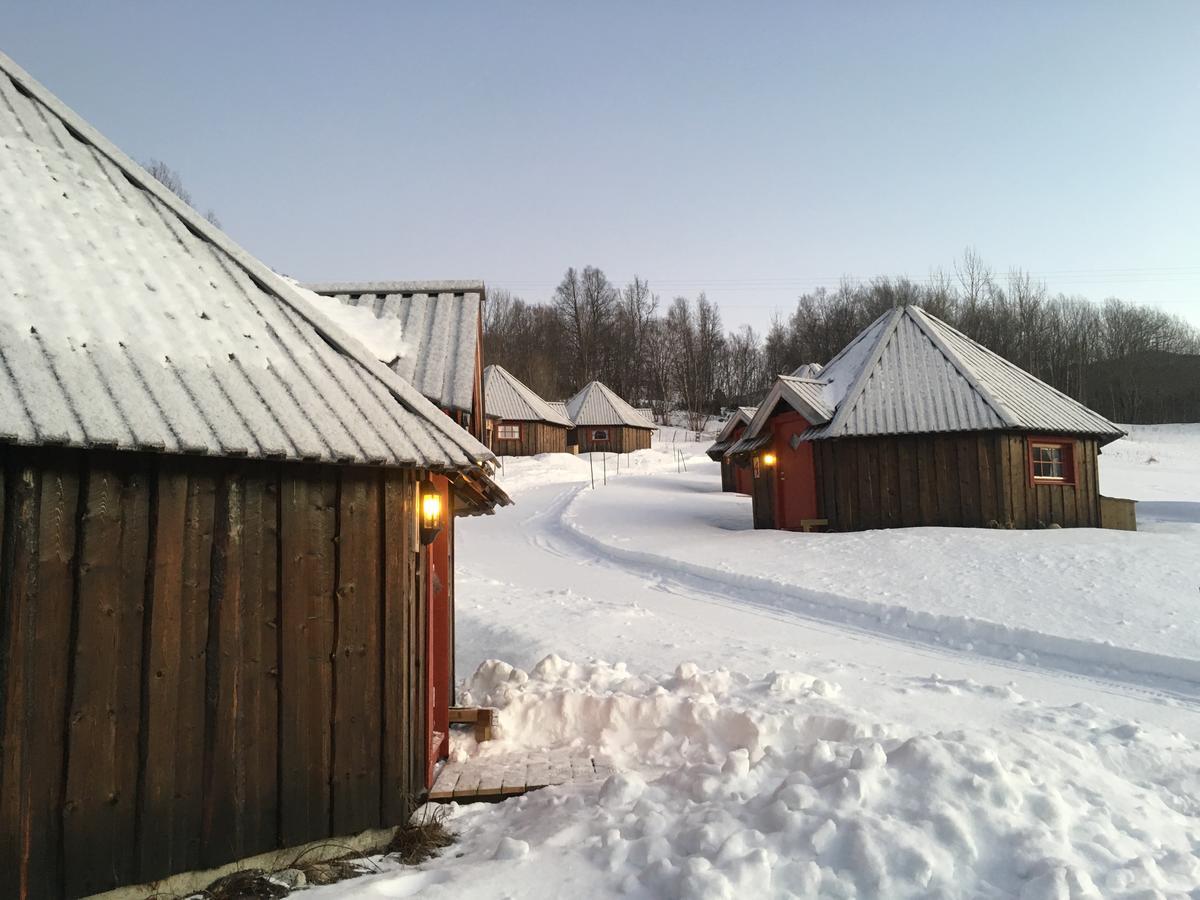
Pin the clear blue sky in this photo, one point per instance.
(750, 150)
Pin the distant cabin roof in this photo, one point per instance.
(560, 407)
(741, 416)
(596, 404)
(427, 332)
(808, 370)
(909, 372)
(646, 413)
(508, 398)
(131, 322)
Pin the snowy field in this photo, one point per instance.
(912, 713)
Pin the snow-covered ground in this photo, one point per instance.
(914, 713)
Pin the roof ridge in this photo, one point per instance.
(924, 322)
(453, 286)
(855, 391)
(262, 275)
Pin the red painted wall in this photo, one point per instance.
(795, 474)
(439, 578)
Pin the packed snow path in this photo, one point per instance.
(534, 585)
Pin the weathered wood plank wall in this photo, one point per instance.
(621, 439)
(950, 480)
(536, 437)
(200, 660)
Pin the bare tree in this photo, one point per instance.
(173, 181)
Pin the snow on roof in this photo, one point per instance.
(808, 370)
(435, 339)
(131, 322)
(508, 398)
(741, 416)
(916, 374)
(910, 373)
(596, 404)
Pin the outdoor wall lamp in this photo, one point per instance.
(768, 459)
(432, 516)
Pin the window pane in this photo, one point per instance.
(1049, 461)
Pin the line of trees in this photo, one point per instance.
(678, 355)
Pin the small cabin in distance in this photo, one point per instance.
(605, 422)
(735, 473)
(914, 423)
(523, 424)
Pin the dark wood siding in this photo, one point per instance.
(200, 660)
(536, 437)
(973, 479)
(621, 439)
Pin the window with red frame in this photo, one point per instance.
(1051, 462)
(508, 432)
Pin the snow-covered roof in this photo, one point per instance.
(646, 413)
(426, 331)
(596, 404)
(909, 372)
(506, 397)
(131, 322)
(741, 416)
(560, 407)
(808, 370)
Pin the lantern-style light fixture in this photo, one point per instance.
(768, 459)
(431, 512)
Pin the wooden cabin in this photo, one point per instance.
(735, 473)
(605, 422)
(914, 423)
(430, 333)
(525, 424)
(222, 627)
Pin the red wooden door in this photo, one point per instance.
(795, 474)
(437, 639)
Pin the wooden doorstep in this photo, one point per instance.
(482, 717)
(489, 779)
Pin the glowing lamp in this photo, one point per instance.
(768, 459)
(432, 516)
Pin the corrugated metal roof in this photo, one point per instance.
(808, 370)
(646, 413)
(749, 443)
(741, 416)
(1024, 401)
(129, 321)
(596, 404)
(560, 407)
(506, 397)
(911, 373)
(919, 375)
(439, 323)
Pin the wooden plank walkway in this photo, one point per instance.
(496, 777)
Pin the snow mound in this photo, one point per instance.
(730, 786)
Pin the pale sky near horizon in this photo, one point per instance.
(749, 150)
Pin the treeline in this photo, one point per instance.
(678, 355)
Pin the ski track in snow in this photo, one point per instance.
(548, 531)
(765, 598)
